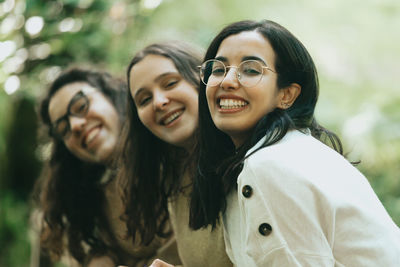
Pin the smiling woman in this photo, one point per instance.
(79, 197)
(164, 100)
(85, 120)
(285, 197)
(157, 158)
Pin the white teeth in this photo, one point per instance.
(92, 135)
(172, 117)
(231, 103)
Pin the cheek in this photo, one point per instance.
(210, 96)
(145, 117)
(73, 146)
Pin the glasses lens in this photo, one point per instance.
(79, 106)
(250, 73)
(212, 72)
(61, 128)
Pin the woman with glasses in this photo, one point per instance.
(79, 197)
(157, 158)
(286, 198)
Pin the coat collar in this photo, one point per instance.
(289, 135)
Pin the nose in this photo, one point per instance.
(230, 81)
(160, 100)
(76, 123)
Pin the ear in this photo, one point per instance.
(288, 95)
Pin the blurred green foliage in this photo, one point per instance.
(355, 46)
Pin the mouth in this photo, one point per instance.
(231, 104)
(171, 117)
(90, 136)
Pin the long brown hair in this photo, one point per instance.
(151, 169)
(69, 193)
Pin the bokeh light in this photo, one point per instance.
(8, 5)
(7, 48)
(34, 25)
(151, 4)
(39, 51)
(12, 84)
(70, 25)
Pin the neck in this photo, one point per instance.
(188, 144)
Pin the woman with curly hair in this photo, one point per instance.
(79, 198)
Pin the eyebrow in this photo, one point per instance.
(224, 59)
(157, 79)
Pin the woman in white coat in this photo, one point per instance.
(286, 198)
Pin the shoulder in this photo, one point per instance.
(300, 159)
(296, 150)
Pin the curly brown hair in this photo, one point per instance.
(69, 193)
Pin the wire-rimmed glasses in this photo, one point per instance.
(248, 73)
(77, 107)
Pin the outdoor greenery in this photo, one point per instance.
(355, 45)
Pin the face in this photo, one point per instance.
(93, 136)
(236, 109)
(166, 103)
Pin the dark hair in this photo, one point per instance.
(151, 169)
(71, 196)
(219, 163)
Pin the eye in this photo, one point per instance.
(171, 83)
(251, 68)
(218, 71)
(82, 107)
(250, 71)
(144, 101)
(79, 107)
(62, 128)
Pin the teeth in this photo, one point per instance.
(231, 103)
(172, 117)
(91, 135)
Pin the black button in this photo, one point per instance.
(247, 191)
(265, 229)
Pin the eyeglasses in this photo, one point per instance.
(248, 73)
(77, 107)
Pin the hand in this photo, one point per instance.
(160, 263)
(102, 261)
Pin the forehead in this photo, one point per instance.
(247, 43)
(59, 101)
(148, 69)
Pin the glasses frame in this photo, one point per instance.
(53, 129)
(236, 72)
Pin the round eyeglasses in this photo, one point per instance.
(77, 107)
(248, 73)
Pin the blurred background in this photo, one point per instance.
(355, 45)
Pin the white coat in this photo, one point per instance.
(300, 203)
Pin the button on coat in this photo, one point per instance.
(247, 191)
(265, 229)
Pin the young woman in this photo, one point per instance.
(157, 166)
(287, 199)
(79, 198)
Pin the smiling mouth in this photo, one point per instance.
(225, 103)
(91, 136)
(172, 117)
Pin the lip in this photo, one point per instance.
(89, 144)
(230, 110)
(175, 120)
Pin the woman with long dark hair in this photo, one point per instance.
(78, 195)
(157, 158)
(286, 198)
